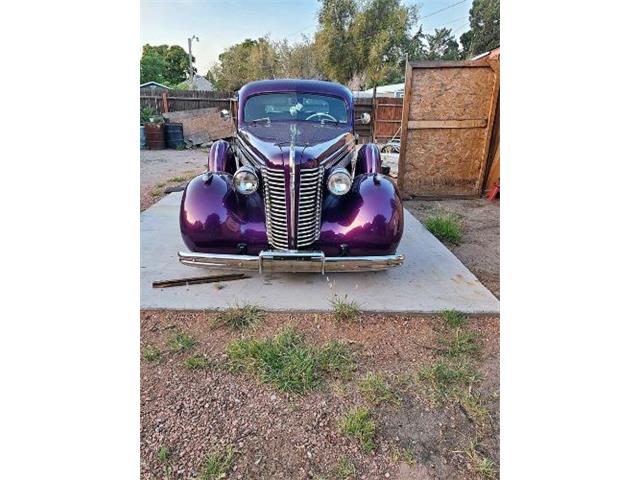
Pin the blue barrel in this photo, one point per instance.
(173, 135)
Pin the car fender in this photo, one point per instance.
(368, 220)
(214, 218)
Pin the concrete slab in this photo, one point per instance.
(432, 278)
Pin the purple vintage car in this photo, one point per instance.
(291, 191)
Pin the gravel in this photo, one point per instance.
(281, 436)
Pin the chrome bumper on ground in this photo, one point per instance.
(286, 261)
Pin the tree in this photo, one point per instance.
(176, 61)
(334, 39)
(442, 45)
(364, 43)
(484, 35)
(299, 60)
(152, 68)
(414, 47)
(262, 59)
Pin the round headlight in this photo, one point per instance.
(339, 182)
(245, 180)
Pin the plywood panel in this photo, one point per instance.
(450, 113)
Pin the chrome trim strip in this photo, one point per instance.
(290, 261)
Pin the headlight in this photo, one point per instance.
(245, 180)
(339, 182)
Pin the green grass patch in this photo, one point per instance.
(474, 408)
(287, 361)
(462, 343)
(405, 455)
(178, 179)
(359, 425)
(345, 469)
(151, 354)
(156, 192)
(443, 377)
(181, 342)
(197, 362)
(453, 318)
(239, 317)
(217, 465)
(482, 465)
(345, 310)
(166, 460)
(445, 227)
(376, 390)
(336, 357)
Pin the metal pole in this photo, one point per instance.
(190, 63)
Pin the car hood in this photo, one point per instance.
(314, 143)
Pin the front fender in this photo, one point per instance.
(368, 220)
(216, 219)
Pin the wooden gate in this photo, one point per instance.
(387, 118)
(447, 119)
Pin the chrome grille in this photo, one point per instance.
(309, 199)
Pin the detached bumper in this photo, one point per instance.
(284, 261)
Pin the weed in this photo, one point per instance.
(151, 353)
(358, 424)
(165, 458)
(181, 342)
(239, 317)
(443, 377)
(484, 466)
(376, 390)
(405, 455)
(217, 465)
(445, 227)
(284, 361)
(178, 179)
(287, 362)
(345, 469)
(157, 192)
(474, 408)
(343, 310)
(197, 362)
(336, 356)
(463, 343)
(453, 318)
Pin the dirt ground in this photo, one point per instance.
(158, 167)
(480, 246)
(284, 436)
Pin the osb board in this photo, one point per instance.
(442, 161)
(447, 161)
(205, 123)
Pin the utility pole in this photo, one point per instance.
(190, 57)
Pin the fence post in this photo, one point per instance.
(165, 102)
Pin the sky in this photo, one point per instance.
(221, 23)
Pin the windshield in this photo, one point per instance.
(273, 107)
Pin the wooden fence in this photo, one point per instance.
(179, 100)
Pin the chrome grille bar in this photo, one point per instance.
(278, 217)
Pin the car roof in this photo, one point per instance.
(293, 85)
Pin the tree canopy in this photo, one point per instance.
(484, 35)
(359, 43)
(164, 64)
